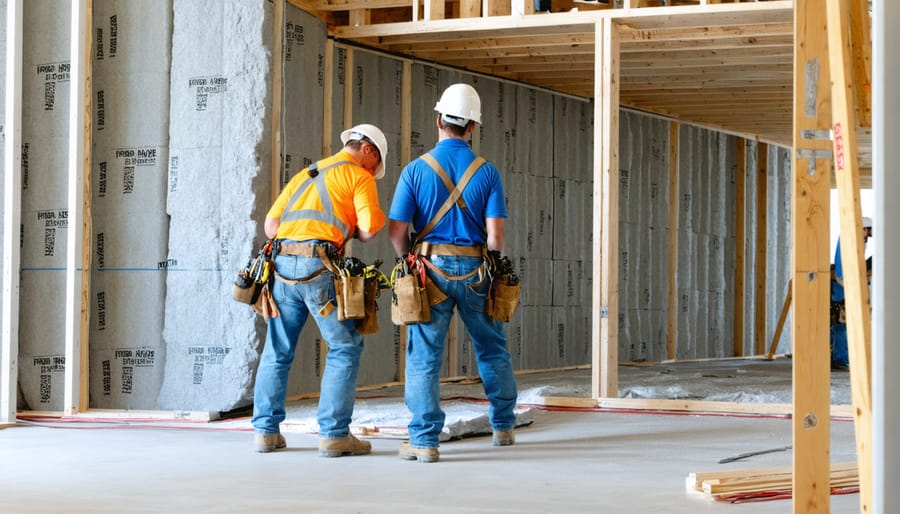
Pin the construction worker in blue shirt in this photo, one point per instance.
(455, 251)
(321, 207)
(840, 356)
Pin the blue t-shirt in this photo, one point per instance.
(837, 290)
(420, 194)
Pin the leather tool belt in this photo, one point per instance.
(425, 249)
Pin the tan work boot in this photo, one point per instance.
(349, 445)
(410, 452)
(504, 438)
(268, 442)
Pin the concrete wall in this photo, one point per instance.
(181, 181)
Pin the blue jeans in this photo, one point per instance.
(839, 351)
(425, 350)
(345, 346)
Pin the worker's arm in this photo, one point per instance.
(364, 236)
(495, 233)
(398, 231)
(271, 227)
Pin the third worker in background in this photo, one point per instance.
(840, 356)
(454, 246)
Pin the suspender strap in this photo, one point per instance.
(455, 193)
(436, 166)
(326, 215)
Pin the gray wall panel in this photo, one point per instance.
(130, 81)
(45, 111)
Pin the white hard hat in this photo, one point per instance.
(866, 222)
(460, 101)
(373, 134)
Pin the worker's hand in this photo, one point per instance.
(493, 260)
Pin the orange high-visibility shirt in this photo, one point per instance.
(352, 195)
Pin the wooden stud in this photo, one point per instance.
(861, 57)
(87, 217)
(781, 409)
(469, 8)
(810, 261)
(606, 215)
(674, 222)
(781, 319)
(277, 99)
(12, 213)
(348, 88)
(762, 242)
(598, 310)
(78, 254)
(328, 97)
(360, 17)
(496, 7)
(856, 292)
(434, 9)
(406, 113)
(740, 244)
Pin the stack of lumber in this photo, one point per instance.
(771, 483)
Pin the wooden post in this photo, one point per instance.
(762, 242)
(78, 254)
(496, 7)
(328, 97)
(861, 50)
(856, 291)
(277, 102)
(781, 319)
(810, 260)
(434, 9)
(360, 17)
(740, 244)
(469, 8)
(605, 294)
(12, 213)
(674, 213)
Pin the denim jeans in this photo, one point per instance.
(425, 350)
(345, 346)
(839, 351)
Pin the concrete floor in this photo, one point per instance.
(563, 462)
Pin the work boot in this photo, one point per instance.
(504, 438)
(266, 443)
(349, 445)
(410, 452)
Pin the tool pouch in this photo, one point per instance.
(369, 323)
(350, 295)
(265, 304)
(246, 290)
(251, 278)
(433, 292)
(503, 298)
(409, 302)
